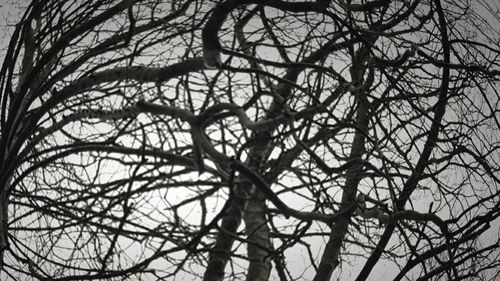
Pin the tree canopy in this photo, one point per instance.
(250, 140)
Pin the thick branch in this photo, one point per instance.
(411, 183)
(211, 43)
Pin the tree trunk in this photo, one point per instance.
(259, 250)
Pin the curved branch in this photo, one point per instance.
(411, 183)
(211, 43)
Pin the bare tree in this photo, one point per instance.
(256, 140)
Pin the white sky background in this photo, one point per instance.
(9, 12)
